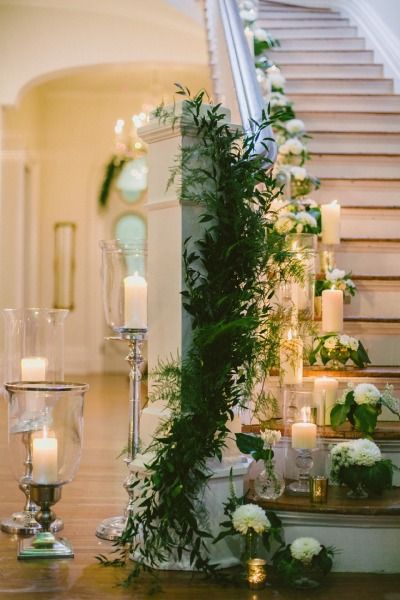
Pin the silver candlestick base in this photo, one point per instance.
(45, 544)
(304, 462)
(113, 527)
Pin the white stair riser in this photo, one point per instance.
(283, 33)
(318, 57)
(270, 14)
(374, 300)
(301, 23)
(363, 122)
(371, 224)
(359, 192)
(338, 86)
(382, 347)
(355, 143)
(347, 167)
(322, 43)
(369, 259)
(331, 71)
(345, 103)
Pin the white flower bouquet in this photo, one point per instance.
(304, 562)
(292, 152)
(336, 279)
(301, 182)
(263, 41)
(359, 465)
(335, 350)
(298, 217)
(361, 405)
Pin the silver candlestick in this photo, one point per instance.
(113, 527)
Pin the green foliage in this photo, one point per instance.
(363, 417)
(374, 479)
(230, 272)
(290, 569)
(341, 353)
(111, 171)
(261, 46)
(253, 445)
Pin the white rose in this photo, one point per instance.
(248, 15)
(250, 516)
(344, 340)
(330, 343)
(307, 219)
(278, 99)
(354, 344)
(299, 173)
(366, 393)
(335, 274)
(284, 224)
(295, 126)
(277, 81)
(292, 146)
(304, 549)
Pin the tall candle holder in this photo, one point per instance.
(125, 306)
(33, 351)
(304, 439)
(55, 440)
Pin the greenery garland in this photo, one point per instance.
(230, 273)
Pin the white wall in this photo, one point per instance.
(388, 11)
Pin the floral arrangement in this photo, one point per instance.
(293, 128)
(250, 518)
(259, 447)
(263, 41)
(298, 217)
(362, 404)
(301, 182)
(292, 152)
(338, 350)
(336, 279)
(359, 465)
(303, 562)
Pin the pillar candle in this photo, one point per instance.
(135, 302)
(304, 436)
(325, 390)
(332, 310)
(44, 460)
(330, 221)
(33, 368)
(291, 359)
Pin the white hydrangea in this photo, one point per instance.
(295, 126)
(292, 146)
(366, 393)
(299, 173)
(250, 516)
(304, 549)
(335, 274)
(249, 16)
(365, 453)
(330, 343)
(261, 34)
(277, 80)
(270, 437)
(263, 81)
(279, 100)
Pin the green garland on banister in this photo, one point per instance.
(230, 273)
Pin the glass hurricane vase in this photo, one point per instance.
(269, 484)
(250, 545)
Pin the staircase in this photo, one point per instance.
(353, 115)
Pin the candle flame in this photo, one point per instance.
(334, 202)
(290, 335)
(119, 126)
(305, 413)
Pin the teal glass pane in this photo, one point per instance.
(132, 180)
(128, 228)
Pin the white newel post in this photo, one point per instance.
(170, 222)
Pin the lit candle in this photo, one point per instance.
(256, 573)
(33, 368)
(330, 221)
(332, 310)
(250, 39)
(325, 388)
(304, 436)
(45, 459)
(291, 359)
(135, 302)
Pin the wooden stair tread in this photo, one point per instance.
(372, 371)
(376, 277)
(372, 240)
(338, 503)
(369, 207)
(371, 320)
(385, 431)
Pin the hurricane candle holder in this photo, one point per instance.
(55, 445)
(303, 247)
(125, 306)
(33, 351)
(256, 573)
(304, 439)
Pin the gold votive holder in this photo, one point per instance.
(319, 489)
(256, 573)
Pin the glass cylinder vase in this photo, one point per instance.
(124, 285)
(269, 484)
(303, 247)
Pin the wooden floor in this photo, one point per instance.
(97, 493)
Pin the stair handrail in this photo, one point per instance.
(249, 100)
